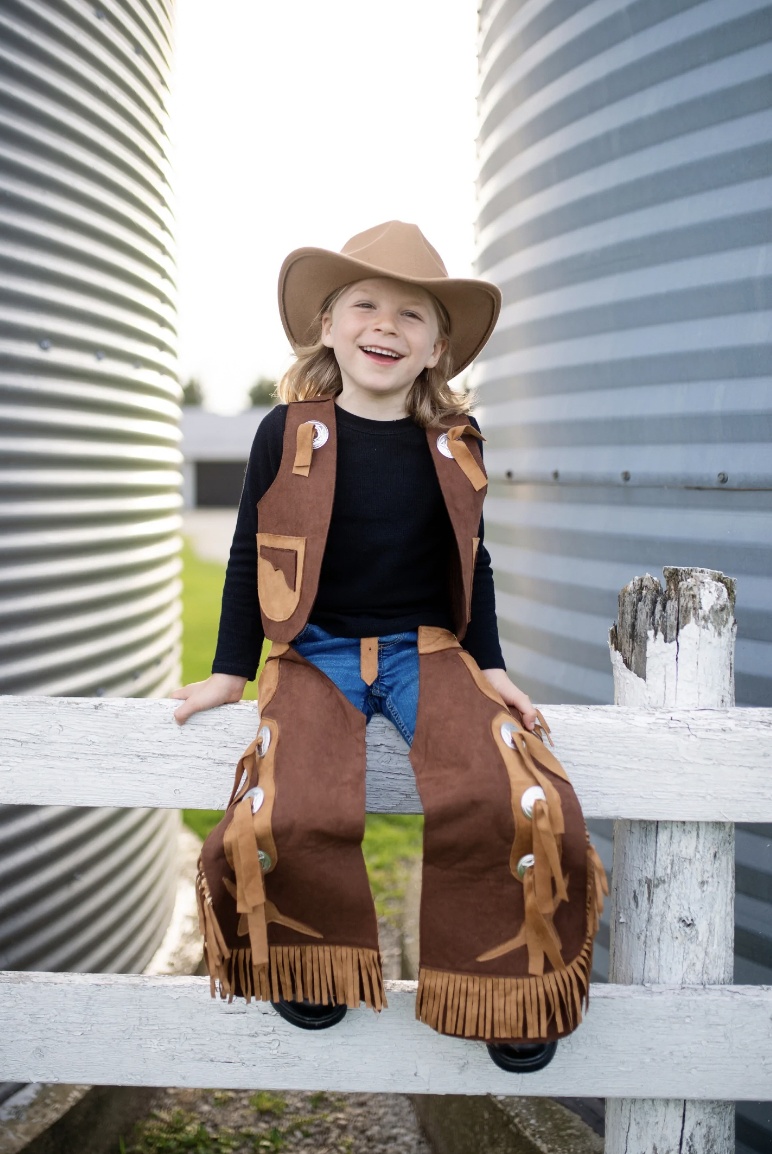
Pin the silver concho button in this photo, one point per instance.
(526, 861)
(264, 734)
(257, 795)
(321, 433)
(265, 860)
(442, 445)
(533, 794)
(507, 729)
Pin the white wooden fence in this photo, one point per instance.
(637, 1041)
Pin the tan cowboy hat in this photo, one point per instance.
(396, 250)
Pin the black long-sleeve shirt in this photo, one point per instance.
(385, 566)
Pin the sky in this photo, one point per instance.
(298, 122)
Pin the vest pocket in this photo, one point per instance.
(279, 573)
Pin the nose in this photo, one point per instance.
(386, 322)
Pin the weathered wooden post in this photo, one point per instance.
(672, 904)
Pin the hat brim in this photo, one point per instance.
(309, 275)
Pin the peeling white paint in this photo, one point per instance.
(633, 762)
(122, 1029)
(672, 912)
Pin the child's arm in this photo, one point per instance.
(482, 635)
(240, 635)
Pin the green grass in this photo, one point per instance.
(202, 583)
(178, 1131)
(392, 842)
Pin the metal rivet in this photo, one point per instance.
(265, 860)
(526, 861)
(507, 730)
(442, 445)
(533, 794)
(257, 795)
(625, 476)
(264, 735)
(723, 478)
(100, 356)
(44, 345)
(321, 433)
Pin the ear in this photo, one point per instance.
(439, 348)
(327, 330)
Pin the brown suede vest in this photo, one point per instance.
(294, 515)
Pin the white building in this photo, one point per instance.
(216, 451)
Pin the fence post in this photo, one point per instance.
(672, 903)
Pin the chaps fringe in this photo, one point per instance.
(469, 1006)
(491, 1008)
(324, 974)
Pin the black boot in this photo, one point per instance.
(523, 1059)
(310, 1015)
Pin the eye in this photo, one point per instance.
(364, 305)
(415, 316)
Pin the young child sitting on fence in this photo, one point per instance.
(359, 553)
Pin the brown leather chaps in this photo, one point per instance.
(511, 891)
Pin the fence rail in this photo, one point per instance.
(639, 764)
(697, 1042)
(119, 1029)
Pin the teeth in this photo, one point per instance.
(381, 352)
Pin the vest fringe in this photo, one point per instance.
(512, 1009)
(323, 974)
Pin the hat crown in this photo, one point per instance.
(397, 249)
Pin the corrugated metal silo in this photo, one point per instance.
(89, 566)
(625, 209)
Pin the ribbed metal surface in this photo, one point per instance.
(89, 458)
(625, 208)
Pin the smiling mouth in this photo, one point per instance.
(380, 355)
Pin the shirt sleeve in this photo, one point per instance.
(482, 635)
(240, 637)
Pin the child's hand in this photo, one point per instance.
(511, 695)
(218, 689)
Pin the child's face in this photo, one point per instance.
(387, 315)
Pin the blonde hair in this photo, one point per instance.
(315, 373)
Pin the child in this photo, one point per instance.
(359, 552)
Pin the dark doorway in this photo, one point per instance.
(219, 483)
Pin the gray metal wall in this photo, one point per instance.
(625, 209)
(89, 566)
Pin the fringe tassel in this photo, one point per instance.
(341, 974)
(470, 1006)
(473, 1006)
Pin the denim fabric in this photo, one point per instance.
(394, 691)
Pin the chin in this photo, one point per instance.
(380, 386)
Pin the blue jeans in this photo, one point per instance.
(394, 691)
